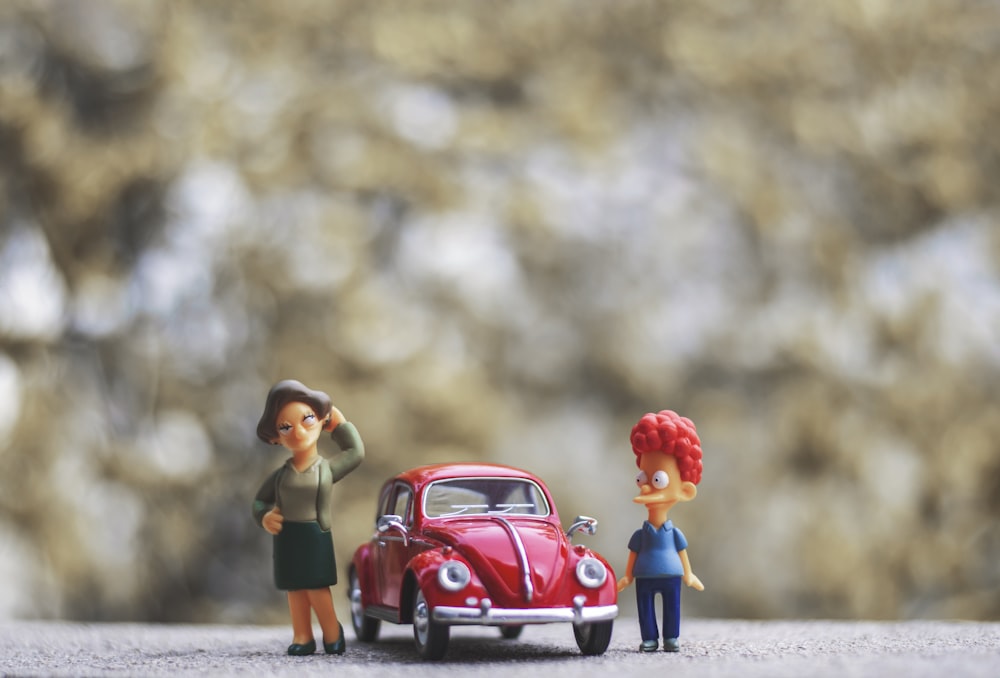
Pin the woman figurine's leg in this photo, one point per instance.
(333, 633)
(302, 633)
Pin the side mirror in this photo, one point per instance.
(585, 523)
(393, 522)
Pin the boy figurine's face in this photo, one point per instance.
(659, 481)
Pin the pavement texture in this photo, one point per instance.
(709, 648)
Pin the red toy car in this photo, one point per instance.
(477, 544)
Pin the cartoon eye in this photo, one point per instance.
(660, 480)
(284, 428)
(641, 478)
(309, 418)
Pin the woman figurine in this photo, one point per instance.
(293, 504)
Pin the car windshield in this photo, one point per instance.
(484, 496)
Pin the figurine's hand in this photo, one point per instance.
(693, 581)
(272, 520)
(624, 582)
(336, 419)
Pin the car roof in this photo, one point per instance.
(422, 475)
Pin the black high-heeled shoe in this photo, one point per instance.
(302, 649)
(339, 647)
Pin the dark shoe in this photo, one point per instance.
(648, 646)
(302, 649)
(671, 645)
(339, 647)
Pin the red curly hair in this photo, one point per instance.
(669, 433)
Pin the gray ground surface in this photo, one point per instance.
(709, 648)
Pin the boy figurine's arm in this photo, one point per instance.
(689, 577)
(624, 582)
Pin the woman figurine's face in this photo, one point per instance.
(298, 427)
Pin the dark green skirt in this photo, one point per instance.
(303, 557)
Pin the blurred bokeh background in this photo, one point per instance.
(503, 231)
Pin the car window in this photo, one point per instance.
(383, 501)
(401, 503)
(484, 496)
(396, 501)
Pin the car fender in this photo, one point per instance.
(422, 571)
(605, 595)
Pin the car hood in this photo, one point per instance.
(491, 550)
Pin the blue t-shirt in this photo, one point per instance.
(657, 551)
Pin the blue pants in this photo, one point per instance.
(645, 597)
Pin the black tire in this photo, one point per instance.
(365, 628)
(511, 632)
(430, 637)
(593, 639)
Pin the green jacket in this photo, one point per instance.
(330, 471)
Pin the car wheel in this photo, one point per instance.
(593, 639)
(511, 632)
(430, 636)
(365, 628)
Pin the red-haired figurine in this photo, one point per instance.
(668, 454)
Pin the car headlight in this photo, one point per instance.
(454, 576)
(591, 573)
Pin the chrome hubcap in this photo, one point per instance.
(421, 618)
(357, 611)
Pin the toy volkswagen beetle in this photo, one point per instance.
(477, 544)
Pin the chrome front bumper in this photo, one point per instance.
(487, 615)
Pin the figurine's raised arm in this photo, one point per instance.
(352, 449)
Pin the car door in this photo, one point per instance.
(392, 552)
